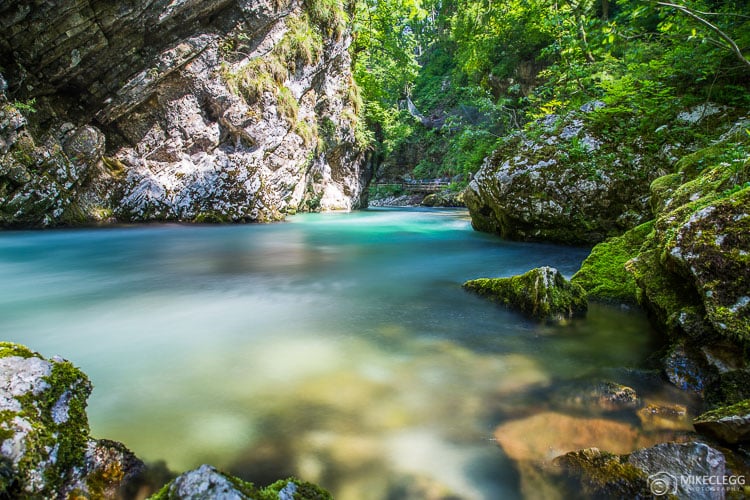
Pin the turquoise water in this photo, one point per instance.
(336, 347)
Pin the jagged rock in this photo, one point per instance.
(207, 110)
(541, 293)
(730, 424)
(562, 181)
(45, 448)
(667, 463)
(207, 483)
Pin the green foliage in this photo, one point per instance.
(26, 107)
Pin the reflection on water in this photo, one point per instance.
(336, 347)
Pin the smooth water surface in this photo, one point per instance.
(336, 347)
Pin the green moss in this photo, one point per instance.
(662, 293)
(595, 474)
(12, 349)
(211, 218)
(304, 490)
(603, 274)
(543, 294)
(661, 189)
(738, 409)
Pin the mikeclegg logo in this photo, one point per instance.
(662, 483)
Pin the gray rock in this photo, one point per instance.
(730, 424)
(45, 448)
(675, 465)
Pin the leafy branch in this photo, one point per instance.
(696, 15)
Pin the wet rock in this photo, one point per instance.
(542, 293)
(666, 464)
(544, 436)
(730, 424)
(534, 442)
(592, 473)
(603, 396)
(206, 483)
(45, 447)
(685, 470)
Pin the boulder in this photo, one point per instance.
(563, 180)
(206, 483)
(730, 424)
(542, 294)
(683, 470)
(45, 448)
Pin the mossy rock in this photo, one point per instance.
(562, 180)
(730, 424)
(542, 294)
(603, 274)
(592, 473)
(42, 420)
(206, 482)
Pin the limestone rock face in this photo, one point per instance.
(561, 181)
(45, 449)
(541, 293)
(196, 111)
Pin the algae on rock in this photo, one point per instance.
(542, 293)
(46, 450)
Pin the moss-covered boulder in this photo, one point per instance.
(205, 483)
(730, 424)
(563, 180)
(542, 294)
(45, 449)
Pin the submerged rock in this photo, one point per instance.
(542, 294)
(207, 483)
(730, 424)
(597, 396)
(686, 470)
(45, 446)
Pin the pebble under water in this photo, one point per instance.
(339, 348)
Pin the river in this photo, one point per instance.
(337, 347)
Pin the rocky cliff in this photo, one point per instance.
(183, 110)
